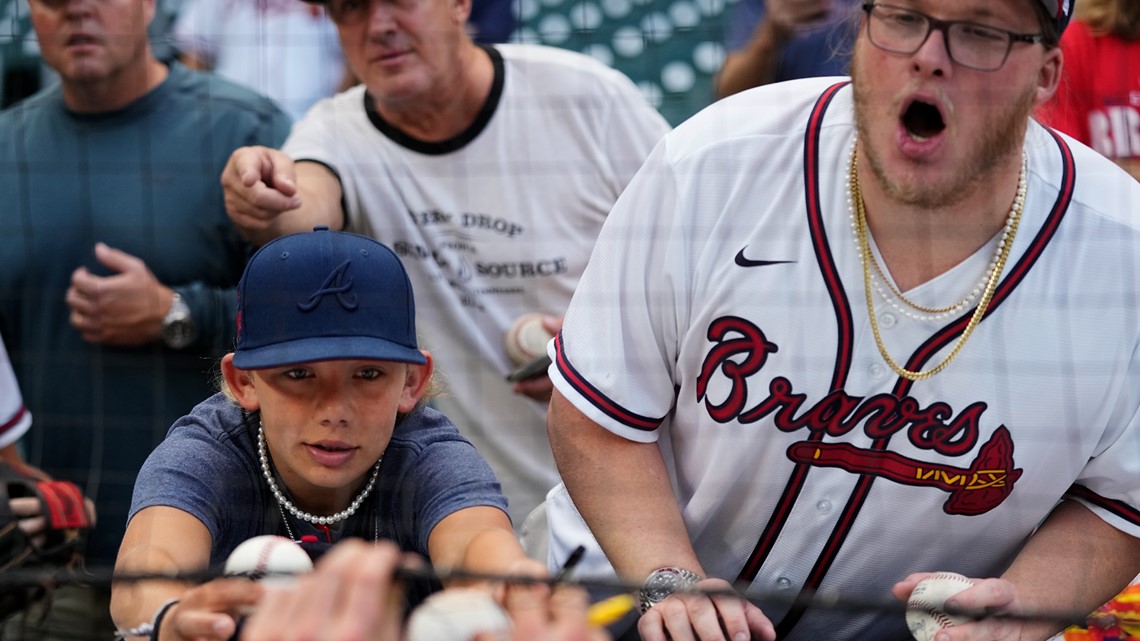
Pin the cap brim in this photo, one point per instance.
(326, 348)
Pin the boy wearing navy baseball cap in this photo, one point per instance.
(321, 436)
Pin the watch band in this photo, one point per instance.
(662, 582)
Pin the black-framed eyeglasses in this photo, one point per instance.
(969, 44)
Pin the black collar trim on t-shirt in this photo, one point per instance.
(460, 140)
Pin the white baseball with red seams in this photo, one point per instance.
(526, 339)
(925, 616)
(271, 555)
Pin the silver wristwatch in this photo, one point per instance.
(178, 329)
(663, 582)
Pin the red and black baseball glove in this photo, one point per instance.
(60, 544)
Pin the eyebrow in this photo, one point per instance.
(981, 14)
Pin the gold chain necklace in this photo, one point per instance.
(1005, 244)
(937, 312)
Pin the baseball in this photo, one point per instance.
(457, 614)
(526, 339)
(924, 614)
(267, 554)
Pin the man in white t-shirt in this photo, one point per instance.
(488, 169)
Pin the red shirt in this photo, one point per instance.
(1098, 100)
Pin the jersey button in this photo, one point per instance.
(823, 506)
(783, 583)
(887, 320)
(877, 371)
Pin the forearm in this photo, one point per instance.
(756, 63)
(623, 492)
(135, 603)
(296, 221)
(10, 454)
(479, 539)
(1073, 563)
(158, 540)
(494, 550)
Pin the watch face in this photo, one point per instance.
(662, 584)
(178, 328)
(178, 333)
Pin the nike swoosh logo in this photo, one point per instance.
(748, 262)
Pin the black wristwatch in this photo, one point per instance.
(178, 328)
(663, 582)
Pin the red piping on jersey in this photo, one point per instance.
(1123, 510)
(1015, 275)
(596, 398)
(844, 322)
(924, 353)
(844, 329)
(15, 419)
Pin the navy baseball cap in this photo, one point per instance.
(1061, 10)
(324, 295)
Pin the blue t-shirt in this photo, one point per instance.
(823, 49)
(208, 467)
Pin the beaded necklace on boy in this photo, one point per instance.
(284, 504)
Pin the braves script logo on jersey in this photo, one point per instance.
(973, 490)
(337, 284)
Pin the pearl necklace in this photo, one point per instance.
(997, 266)
(285, 504)
(894, 297)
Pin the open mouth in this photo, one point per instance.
(923, 120)
(80, 40)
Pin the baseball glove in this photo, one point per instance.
(58, 546)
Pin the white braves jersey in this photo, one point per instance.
(495, 223)
(723, 315)
(15, 419)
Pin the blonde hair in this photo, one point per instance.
(1117, 17)
(223, 385)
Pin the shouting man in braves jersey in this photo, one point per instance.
(837, 334)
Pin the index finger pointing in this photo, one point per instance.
(252, 167)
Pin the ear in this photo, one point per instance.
(416, 383)
(150, 8)
(1049, 77)
(461, 10)
(240, 384)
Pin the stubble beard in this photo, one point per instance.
(995, 141)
